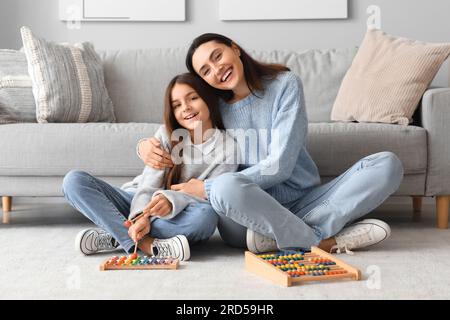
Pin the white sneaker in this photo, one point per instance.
(258, 243)
(94, 240)
(176, 247)
(361, 234)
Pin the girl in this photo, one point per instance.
(288, 208)
(191, 115)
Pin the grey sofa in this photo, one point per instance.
(35, 157)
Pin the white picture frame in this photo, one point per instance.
(122, 10)
(282, 9)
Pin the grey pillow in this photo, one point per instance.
(16, 95)
(68, 81)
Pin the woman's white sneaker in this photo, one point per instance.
(94, 240)
(258, 243)
(361, 234)
(176, 247)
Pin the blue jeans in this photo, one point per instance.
(108, 207)
(319, 213)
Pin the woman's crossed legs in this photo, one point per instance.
(317, 216)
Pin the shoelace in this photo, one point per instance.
(104, 241)
(356, 237)
(164, 250)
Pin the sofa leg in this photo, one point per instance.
(442, 206)
(6, 203)
(417, 207)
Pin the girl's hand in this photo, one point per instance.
(193, 187)
(159, 206)
(153, 155)
(139, 229)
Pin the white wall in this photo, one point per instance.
(418, 19)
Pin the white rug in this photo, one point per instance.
(38, 261)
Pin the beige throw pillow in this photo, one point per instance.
(68, 81)
(387, 79)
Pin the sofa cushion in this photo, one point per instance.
(321, 72)
(68, 81)
(388, 78)
(16, 95)
(103, 149)
(106, 149)
(335, 147)
(137, 79)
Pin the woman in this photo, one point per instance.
(288, 208)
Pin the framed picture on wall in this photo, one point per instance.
(282, 9)
(122, 10)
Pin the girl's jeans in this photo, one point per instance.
(108, 207)
(319, 213)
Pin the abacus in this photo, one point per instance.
(135, 262)
(286, 268)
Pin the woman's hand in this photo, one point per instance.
(153, 155)
(158, 206)
(193, 187)
(139, 229)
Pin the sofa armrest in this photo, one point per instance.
(435, 114)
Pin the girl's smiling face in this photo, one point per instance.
(189, 108)
(219, 65)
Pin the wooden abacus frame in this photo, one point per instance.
(266, 270)
(172, 266)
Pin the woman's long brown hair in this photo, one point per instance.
(208, 95)
(254, 71)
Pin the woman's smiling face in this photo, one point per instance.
(189, 108)
(219, 65)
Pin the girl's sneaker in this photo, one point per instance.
(360, 235)
(94, 240)
(176, 247)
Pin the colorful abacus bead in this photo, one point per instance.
(121, 260)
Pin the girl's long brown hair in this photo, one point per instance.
(254, 71)
(208, 95)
